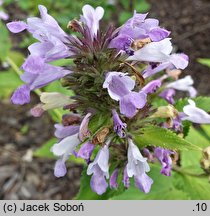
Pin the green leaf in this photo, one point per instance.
(186, 127)
(197, 188)
(162, 189)
(44, 152)
(206, 129)
(5, 43)
(201, 102)
(57, 87)
(9, 81)
(157, 102)
(99, 121)
(158, 136)
(204, 61)
(191, 159)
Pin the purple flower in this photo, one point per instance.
(37, 111)
(177, 123)
(184, 84)
(3, 15)
(168, 95)
(153, 52)
(86, 151)
(66, 146)
(34, 65)
(113, 179)
(64, 149)
(138, 27)
(151, 87)
(131, 102)
(118, 84)
(65, 131)
(163, 155)
(21, 95)
(158, 34)
(195, 114)
(148, 155)
(91, 18)
(122, 42)
(38, 72)
(41, 28)
(119, 126)
(126, 180)
(143, 182)
(60, 168)
(174, 61)
(100, 169)
(34, 81)
(137, 166)
(119, 87)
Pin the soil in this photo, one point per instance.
(21, 175)
(25, 177)
(188, 21)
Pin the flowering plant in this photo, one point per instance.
(124, 113)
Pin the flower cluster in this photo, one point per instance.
(115, 76)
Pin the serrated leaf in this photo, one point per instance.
(98, 122)
(197, 188)
(186, 127)
(204, 61)
(191, 159)
(162, 189)
(158, 136)
(201, 102)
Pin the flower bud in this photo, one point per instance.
(54, 100)
(168, 111)
(206, 153)
(205, 164)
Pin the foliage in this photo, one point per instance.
(157, 136)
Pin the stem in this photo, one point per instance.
(37, 91)
(14, 66)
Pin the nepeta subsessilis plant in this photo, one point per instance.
(116, 76)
